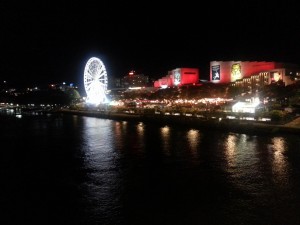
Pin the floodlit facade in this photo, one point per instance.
(178, 77)
(251, 72)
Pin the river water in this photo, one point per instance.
(67, 169)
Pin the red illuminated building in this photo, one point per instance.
(233, 71)
(178, 77)
(247, 74)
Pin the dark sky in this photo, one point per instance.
(50, 41)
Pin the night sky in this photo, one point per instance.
(50, 41)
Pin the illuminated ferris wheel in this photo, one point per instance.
(95, 81)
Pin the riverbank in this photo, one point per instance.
(240, 126)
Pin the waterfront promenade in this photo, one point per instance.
(241, 126)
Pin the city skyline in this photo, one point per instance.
(46, 43)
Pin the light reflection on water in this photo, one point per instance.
(193, 137)
(101, 160)
(140, 136)
(118, 172)
(165, 137)
(240, 154)
(231, 150)
(280, 164)
(242, 163)
(241, 160)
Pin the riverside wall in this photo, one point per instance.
(239, 126)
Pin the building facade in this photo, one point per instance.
(252, 76)
(231, 71)
(134, 80)
(178, 77)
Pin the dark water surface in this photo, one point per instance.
(82, 170)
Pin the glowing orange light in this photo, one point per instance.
(131, 72)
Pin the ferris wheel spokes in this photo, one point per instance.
(95, 81)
